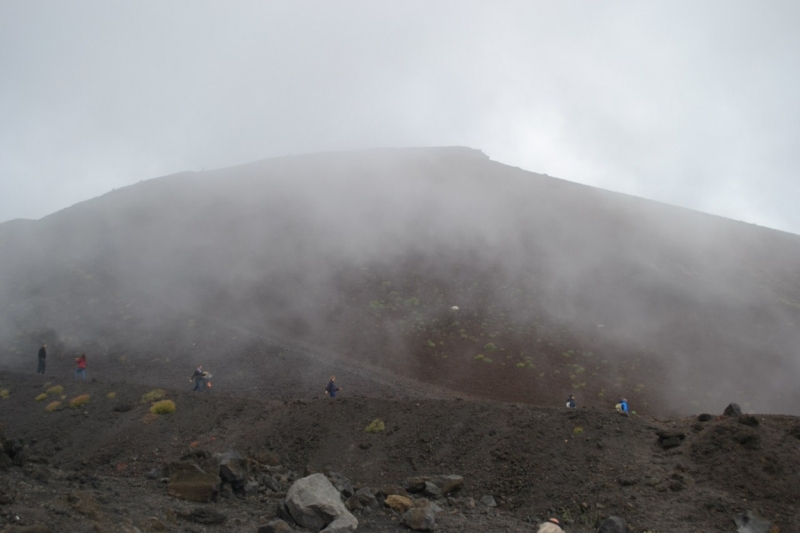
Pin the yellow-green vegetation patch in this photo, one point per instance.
(47, 384)
(577, 430)
(490, 347)
(55, 389)
(521, 365)
(41, 397)
(52, 406)
(79, 401)
(480, 356)
(4, 393)
(154, 395)
(376, 426)
(111, 395)
(164, 407)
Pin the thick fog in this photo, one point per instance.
(364, 253)
(693, 104)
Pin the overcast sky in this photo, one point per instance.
(690, 103)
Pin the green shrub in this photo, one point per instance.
(52, 406)
(111, 395)
(490, 347)
(4, 393)
(79, 401)
(55, 389)
(154, 395)
(164, 407)
(376, 426)
(430, 343)
(578, 430)
(41, 397)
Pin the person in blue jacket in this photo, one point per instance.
(332, 389)
(622, 407)
(571, 401)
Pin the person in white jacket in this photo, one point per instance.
(551, 526)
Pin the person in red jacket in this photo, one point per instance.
(81, 371)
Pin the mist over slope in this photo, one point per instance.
(560, 287)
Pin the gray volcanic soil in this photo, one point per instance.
(535, 461)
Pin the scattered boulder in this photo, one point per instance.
(341, 483)
(201, 515)
(188, 481)
(389, 490)
(420, 518)
(398, 503)
(613, 524)
(122, 408)
(444, 484)
(748, 438)
(233, 469)
(705, 417)
(276, 526)
(366, 498)
(747, 522)
(314, 503)
(5, 498)
(487, 500)
(733, 409)
(5, 461)
(271, 483)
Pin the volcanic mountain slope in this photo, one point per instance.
(560, 288)
(86, 467)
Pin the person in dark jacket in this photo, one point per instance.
(571, 401)
(332, 389)
(81, 370)
(199, 377)
(42, 359)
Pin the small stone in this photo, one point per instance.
(398, 503)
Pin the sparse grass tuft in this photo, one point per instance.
(52, 406)
(79, 401)
(4, 393)
(164, 407)
(41, 397)
(111, 395)
(154, 395)
(490, 347)
(376, 426)
(55, 389)
(577, 430)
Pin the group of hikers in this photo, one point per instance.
(621, 407)
(80, 361)
(202, 380)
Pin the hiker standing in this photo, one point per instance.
(571, 401)
(42, 359)
(332, 389)
(81, 370)
(199, 377)
(551, 526)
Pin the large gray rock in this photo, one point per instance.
(613, 524)
(233, 468)
(733, 409)
(444, 484)
(341, 483)
(420, 518)
(316, 504)
(188, 481)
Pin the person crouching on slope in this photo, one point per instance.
(199, 377)
(332, 389)
(622, 407)
(81, 370)
(551, 526)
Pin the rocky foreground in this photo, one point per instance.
(221, 463)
